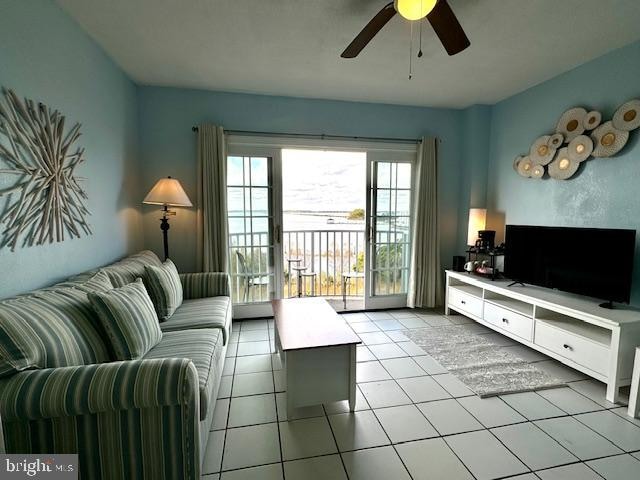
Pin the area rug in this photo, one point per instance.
(484, 367)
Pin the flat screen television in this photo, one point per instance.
(588, 261)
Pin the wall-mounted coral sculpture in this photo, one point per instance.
(548, 155)
(44, 199)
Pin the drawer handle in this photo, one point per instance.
(504, 320)
(463, 302)
(568, 347)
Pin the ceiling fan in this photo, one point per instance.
(438, 12)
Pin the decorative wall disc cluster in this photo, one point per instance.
(44, 199)
(580, 134)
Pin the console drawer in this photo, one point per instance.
(508, 320)
(465, 303)
(588, 353)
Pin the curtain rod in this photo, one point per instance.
(318, 136)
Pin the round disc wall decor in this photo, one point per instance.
(525, 166)
(580, 148)
(592, 120)
(537, 171)
(541, 153)
(584, 135)
(571, 123)
(608, 140)
(516, 161)
(556, 140)
(562, 166)
(627, 117)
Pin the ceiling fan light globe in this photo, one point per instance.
(414, 9)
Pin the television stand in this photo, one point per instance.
(572, 329)
(608, 305)
(516, 283)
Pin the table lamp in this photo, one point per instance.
(477, 222)
(169, 193)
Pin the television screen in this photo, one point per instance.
(588, 261)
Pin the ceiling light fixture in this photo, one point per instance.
(414, 9)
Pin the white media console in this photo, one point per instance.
(573, 329)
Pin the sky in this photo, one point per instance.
(318, 180)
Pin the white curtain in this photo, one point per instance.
(212, 229)
(425, 280)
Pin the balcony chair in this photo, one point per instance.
(251, 279)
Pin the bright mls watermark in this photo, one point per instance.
(46, 467)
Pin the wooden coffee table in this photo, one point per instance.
(318, 352)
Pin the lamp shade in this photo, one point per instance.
(414, 9)
(477, 221)
(168, 191)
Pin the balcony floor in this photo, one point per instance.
(353, 303)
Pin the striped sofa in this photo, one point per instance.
(141, 419)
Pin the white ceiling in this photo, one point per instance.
(292, 47)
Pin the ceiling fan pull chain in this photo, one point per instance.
(421, 22)
(411, 51)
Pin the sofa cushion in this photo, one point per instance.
(204, 348)
(128, 317)
(211, 312)
(165, 288)
(128, 269)
(48, 329)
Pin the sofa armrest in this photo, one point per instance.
(91, 389)
(205, 284)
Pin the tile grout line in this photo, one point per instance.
(275, 399)
(598, 433)
(335, 441)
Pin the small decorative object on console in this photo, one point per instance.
(486, 239)
(471, 266)
(458, 263)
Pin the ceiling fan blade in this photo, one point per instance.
(369, 31)
(448, 29)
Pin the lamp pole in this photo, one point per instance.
(164, 226)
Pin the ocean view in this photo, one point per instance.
(319, 220)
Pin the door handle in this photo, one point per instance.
(504, 320)
(568, 347)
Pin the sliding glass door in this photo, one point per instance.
(332, 247)
(253, 216)
(388, 228)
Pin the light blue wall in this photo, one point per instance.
(168, 145)
(476, 127)
(44, 55)
(605, 193)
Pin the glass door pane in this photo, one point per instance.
(251, 228)
(389, 227)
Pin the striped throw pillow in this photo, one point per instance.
(128, 269)
(129, 319)
(165, 288)
(49, 329)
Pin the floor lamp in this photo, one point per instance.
(169, 193)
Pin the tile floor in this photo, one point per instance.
(413, 419)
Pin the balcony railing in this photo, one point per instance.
(327, 254)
